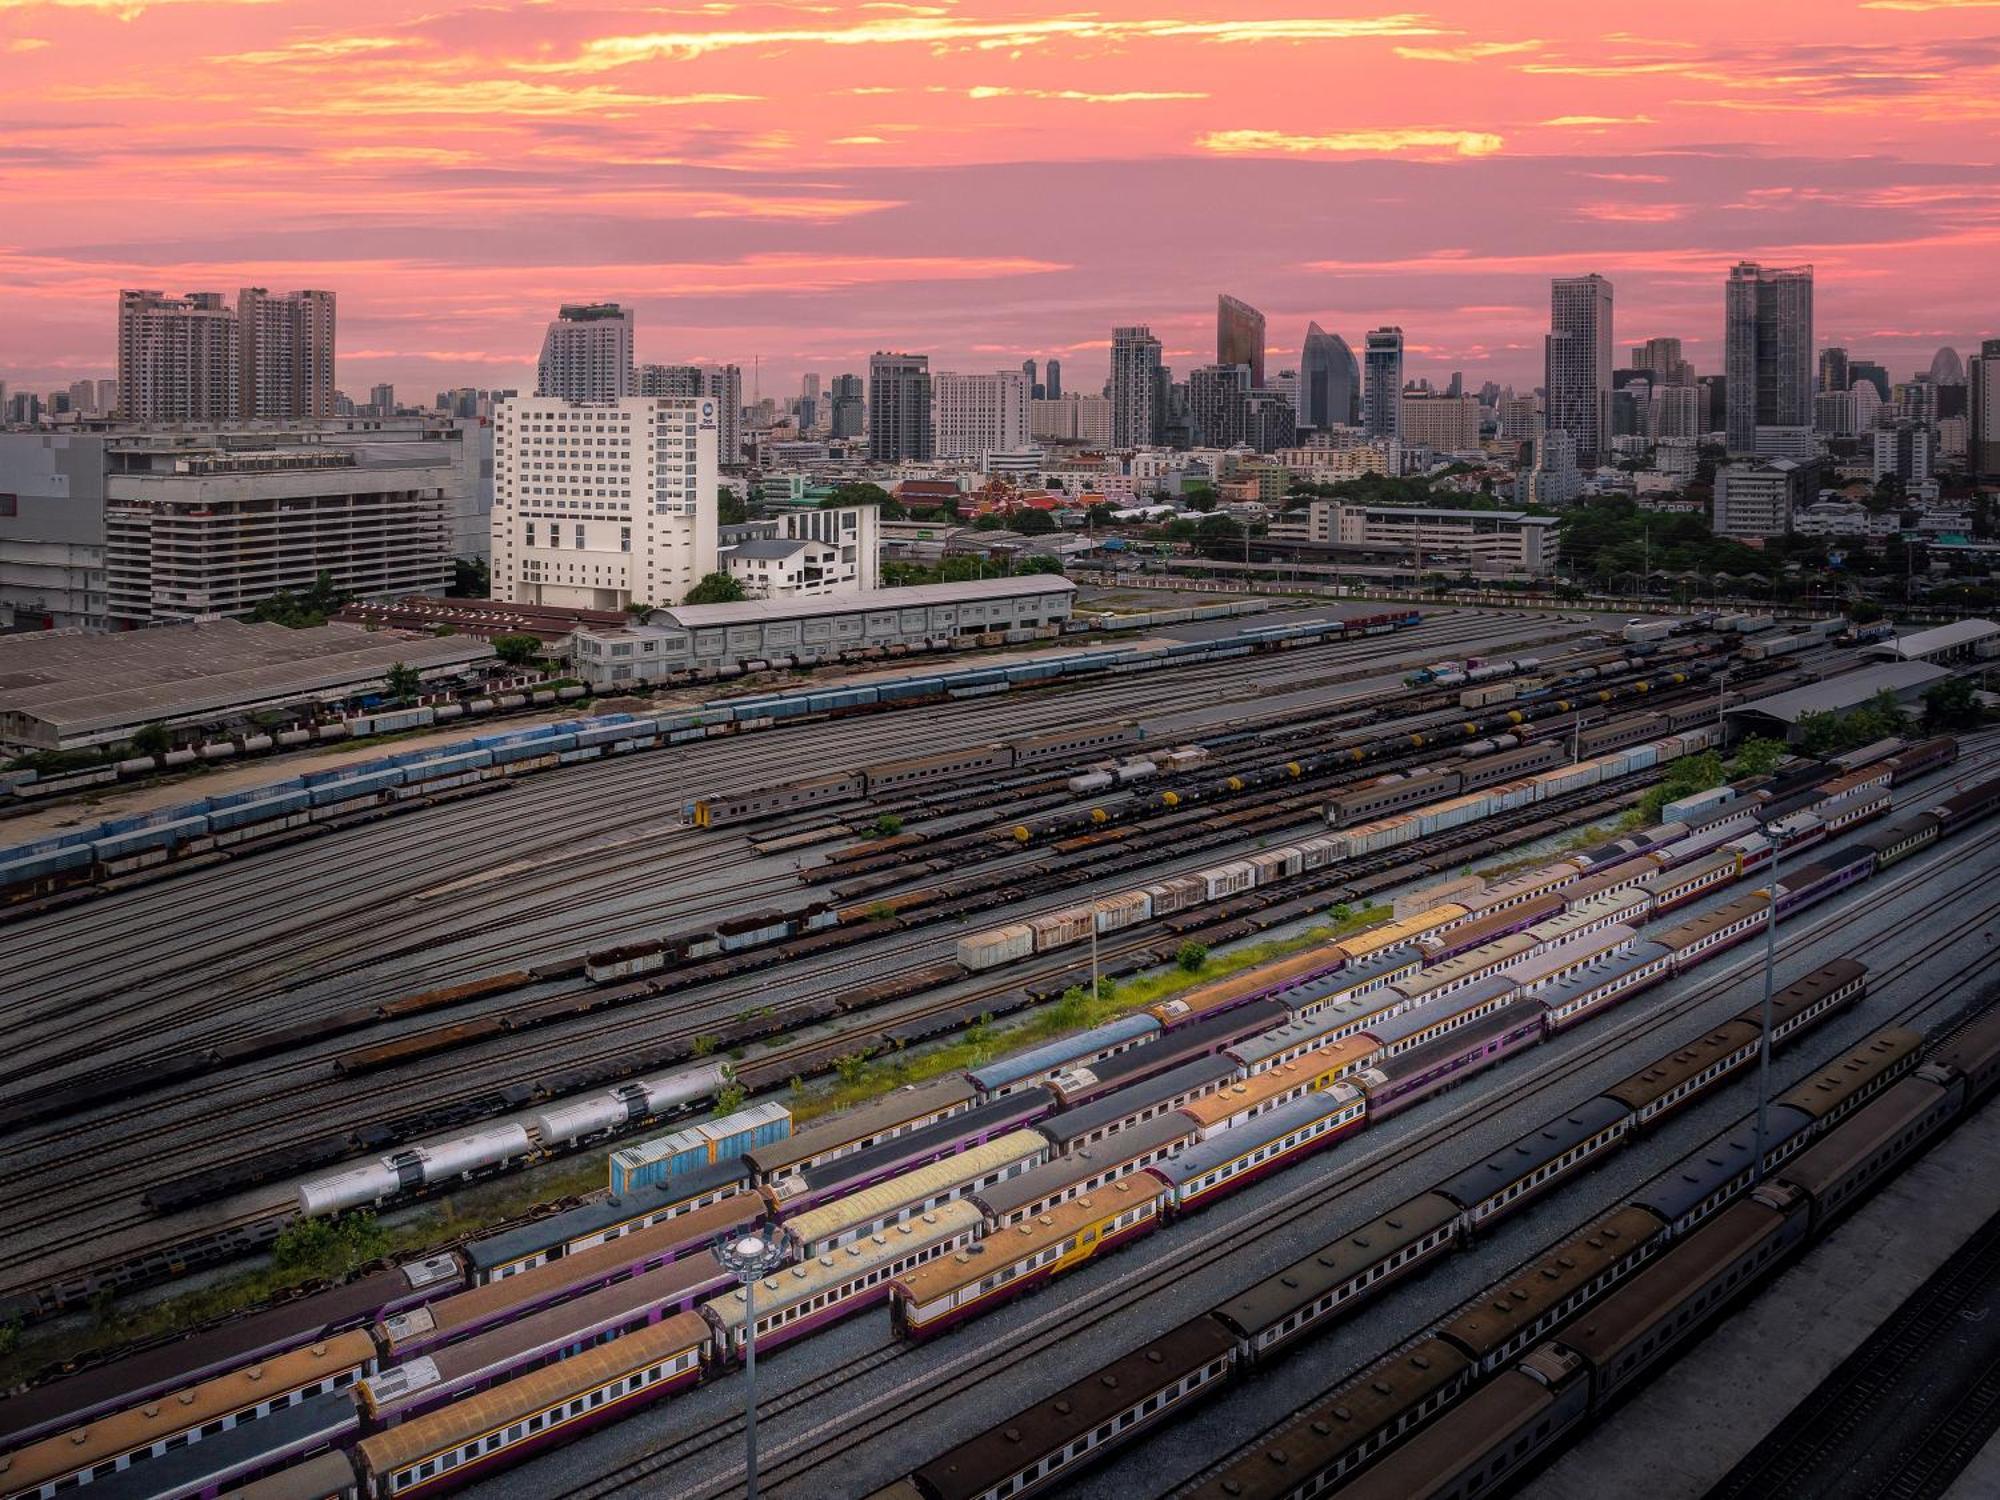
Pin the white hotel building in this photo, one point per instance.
(601, 504)
(975, 415)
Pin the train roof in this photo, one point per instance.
(1075, 1124)
(1839, 1152)
(1227, 1145)
(1308, 1032)
(1528, 1010)
(1532, 1151)
(1833, 1085)
(864, 1121)
(161, 1417)
(576, 1321)
(479, 1304)
(926, 1140)
(1004, 1246)
(516, 1400)
(1260, 1306)
(605, 1213)
(1355, 1412)
(193, 1467)
(1495, 1416)
(1052, 1055)
(1695, 1177)
(1428, 1013)
(871, 1203)
(62, 1403)
(1663, 1075)
(980, 1463)
(1159, 1133)
(1497, 950)
(808, 1278)
(324, 1474)
(1485, 1324)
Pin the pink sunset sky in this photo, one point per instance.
(990, 180)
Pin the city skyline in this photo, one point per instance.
(710, 176)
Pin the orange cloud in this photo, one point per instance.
(1350, 142)
(1080, 96)
(1470, 52)
(604, 53)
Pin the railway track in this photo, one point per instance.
(824, 1447)
(49, 970)
(1812, 1452)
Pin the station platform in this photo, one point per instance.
(1691, 1425)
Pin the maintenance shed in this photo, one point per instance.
(787, 631)
(1961, 640)
(1778, 715)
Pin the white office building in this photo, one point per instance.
(587, 353)
(807, 554)
(603, 504)
(975, 415)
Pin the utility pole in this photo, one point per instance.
(750, 1256)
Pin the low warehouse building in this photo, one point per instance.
(1778, 716)
(716, 637)
(65, 690)
(1962, 640)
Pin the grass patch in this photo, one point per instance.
(1583, 838)
(311, 1255)
(869, 1079)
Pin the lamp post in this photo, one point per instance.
(1764, 1040)
(750, 1256)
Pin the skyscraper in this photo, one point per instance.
(1661, 358)
(1382, 400)
(1216, 398)
(177, 358)
(1579, 364)
(1947, 368)
(1833, 376)
(587, 353)
(980, 414)
(671, 380)
(1239, 337)
(846, 407)
(284, 354)
(1329, 381)
(725, 384)
(1767, 350)
(1138, 387)
(1982, 453)
(899, 408)
(809, 387)
(1053, 380)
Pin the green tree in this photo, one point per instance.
(329, 1247)
(152, 739)
(404, 682)
(887, 826)
(992, 520)
(1191, 956)
(1038, 564)
(715, 588)
(849, 1066)
(1758, 756)
(517, 650)
(1101, 515)
(1951, 704)
(729, 1098)
(471, 578)
(862, 493)
(729, 507)
(1198, 497)
(1033, 522)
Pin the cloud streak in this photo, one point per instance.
(1423, 141)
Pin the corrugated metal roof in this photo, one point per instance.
(762, 611)
(884, 1198)
(1844, 691)
(1937, 638)
(808, 1279)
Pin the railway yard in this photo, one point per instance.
(200, 1051)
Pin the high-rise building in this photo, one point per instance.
(107, 396)
(1947, 368)
(1052, 380)
(1767, 350)
(1661, 359)
(1579, 364)
(980, 414)
(671, 380)
(1216, 395)
(1138, 387)
(587, 353)
(846, 407)
(177, 358)
(1675, 414)
(1329, 381)
(1270, 422)
(1906, 451)
(1239, 337)
(383, 399)
(1444, 424)
(1833, 374)
(601, 504)
(899, 408)
(1034, 384)
(725, 384)
(1553, 480)
(1872, 372)
(83, 395)
(285, 350)
(1833, 414)
(809, 387)
(1758, 499)
(1073, 419)
(1382, 396)
(1982, 449)
(1520, 419)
